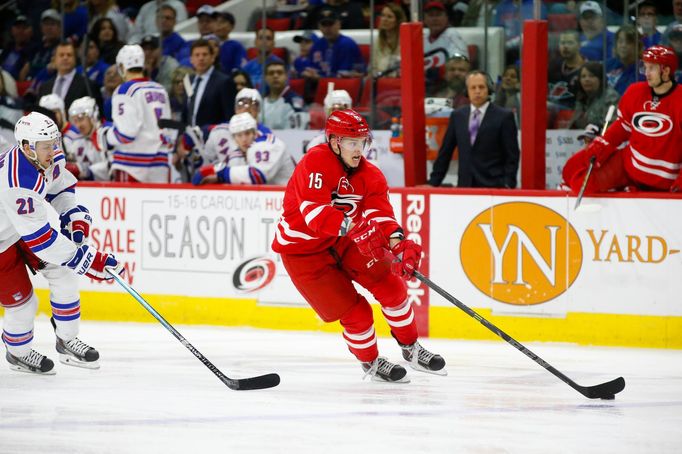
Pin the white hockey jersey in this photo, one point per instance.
(221, 148)
(140, 148)
(266, 162)
(449, 41)
(92, 163)
(23, 215)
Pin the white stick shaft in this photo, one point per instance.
(609, 114)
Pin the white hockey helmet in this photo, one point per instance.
(336, 100)
(35, 127)
(53, 102)
(250, 94)
(130, 56)
(84, 106)
(242, 122)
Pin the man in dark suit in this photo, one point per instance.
(67, 84)
(212, 100)
(486, 135)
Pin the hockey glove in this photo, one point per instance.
(75, 224)
(601, 149)
(369, 239)
(677, 184)
(92, 263)
(408, 254)
(211, 173)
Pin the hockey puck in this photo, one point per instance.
(609, 397)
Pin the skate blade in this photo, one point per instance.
(29, 371)
(419, 368)
(403, 380)
(71, 361)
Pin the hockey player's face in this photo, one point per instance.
(83, 123)
(45, 151)
(350, 149)
(653, 74)
(244, 139)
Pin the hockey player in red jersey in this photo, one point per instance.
(336, 228)
(642, 149)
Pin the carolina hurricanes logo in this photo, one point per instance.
(435, 58)
(344, 185)
(652, 124)
(254, 274)
(348, 203)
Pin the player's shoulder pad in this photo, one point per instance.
(72, 132)
(21, 173)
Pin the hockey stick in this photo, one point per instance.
(593, 159)
(237, 384)
(606, 390)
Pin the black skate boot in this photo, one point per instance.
(383, 370)
(423, 360)
(33, 362)
(76, 352)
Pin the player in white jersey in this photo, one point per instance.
(140, 149)
(30, 174)
(264, 162)
(335, 100)
(84, 160)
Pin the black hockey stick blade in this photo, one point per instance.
(606, 390)
(164, 123)
(236, 384)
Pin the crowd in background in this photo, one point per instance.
(68, 48)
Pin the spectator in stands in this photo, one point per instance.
(564, 72)
(350, 14)
(336, 55)
(456, 69)
(67, 83)
(98, 9)
(51, 31)
(280, 102)
(265, 43)
(178, 98)
(75, 19)
(386, 51)
(145, 22)
(487, 138)
(510, 14)
(159, 67)
(508, 93)
(622, 70)
(171, 42)
(677, 13)
(675, 38)
(20, 50)
(11, 108)
(646, 19)
(305, 42)
(593, 98)
(112, 79)
(206, 20)
(94, 66)
(241, 79)
(440, 42)
(232, 53)
(594, 35)
(212, 100)
(105, 34)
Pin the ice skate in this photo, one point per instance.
(382, 370)
(423, 360)
(33, 363)
(76, 352)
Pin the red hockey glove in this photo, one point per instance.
(75, 224)
(91, 262)
(408, 255)
(677, 184)
(601, 149)
(203, 172)
(369, 239)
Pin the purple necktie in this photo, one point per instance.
(473, 126)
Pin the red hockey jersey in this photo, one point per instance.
(653, 126)
(321, 194)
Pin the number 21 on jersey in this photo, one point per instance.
(315, 180)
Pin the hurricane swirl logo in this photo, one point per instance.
(348, 203)
(254, 274)
(652, 124)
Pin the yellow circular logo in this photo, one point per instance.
(521, 253)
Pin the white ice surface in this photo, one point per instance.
(151, 396)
